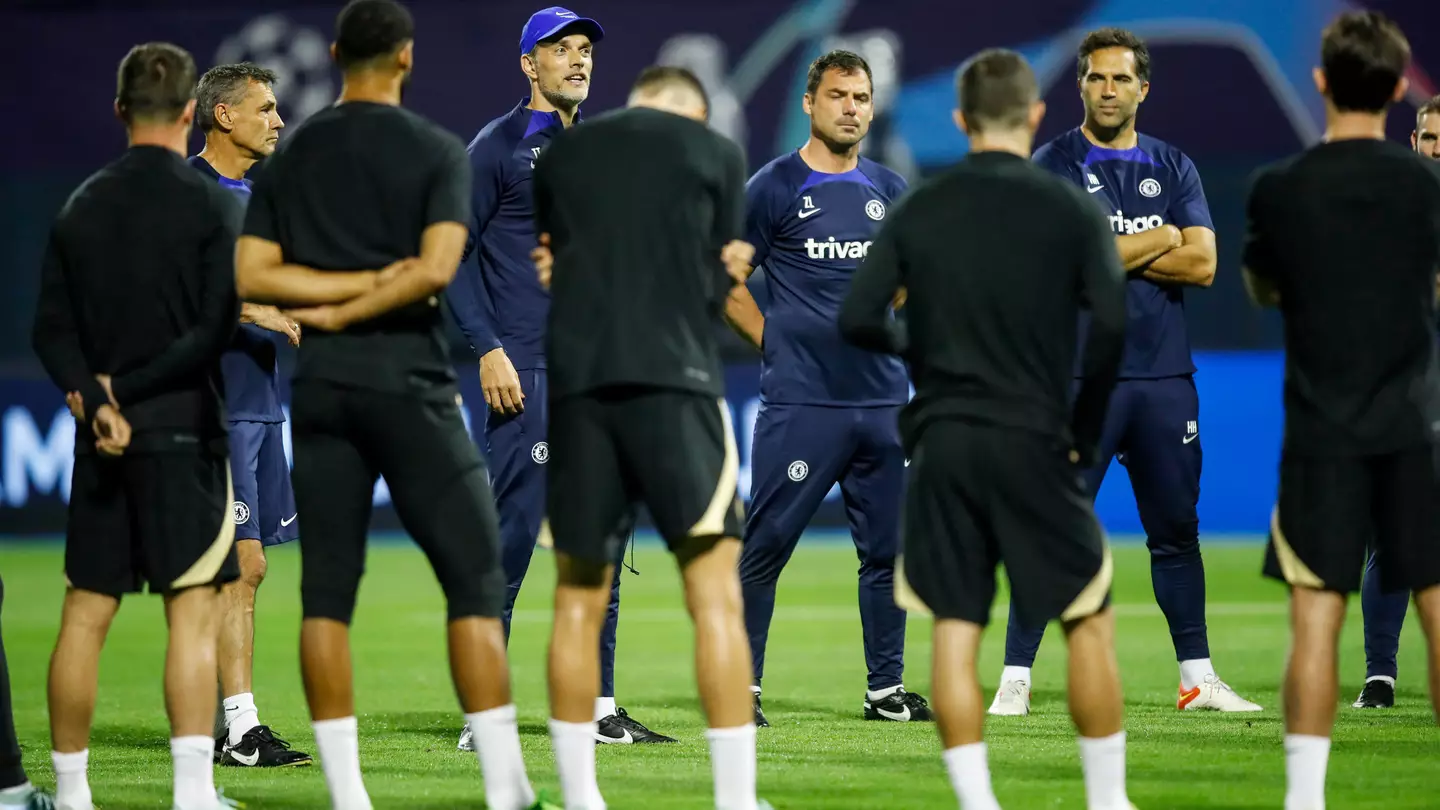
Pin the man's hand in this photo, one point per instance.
(901, 296)
(76, 404)
(500, 383)
(271, 318)
(737, 256)
(105, 383)
(326, 318)
(544, 260)
(112, 431)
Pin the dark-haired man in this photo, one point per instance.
(829, 408)
(501, 309)
(639, 278)
(241, 122)
(1362, 388)
(1384, 611)
(994, 442)
(367, 184)
(1152, 195)
(135, 326)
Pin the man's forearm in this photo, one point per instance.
(409, 287)
(744, 316)
(1139, 249)
(1188, 264)
(293, 285)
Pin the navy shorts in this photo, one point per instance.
(264, 507)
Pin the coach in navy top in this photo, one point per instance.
(830, 409)
(237, 111)
(501, 308)
(1152, 195)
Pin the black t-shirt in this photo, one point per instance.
(138, 282)
(639, 204)
(990, 323)
(1349, 232)
(353, 189)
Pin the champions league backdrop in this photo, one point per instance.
(1230, 80)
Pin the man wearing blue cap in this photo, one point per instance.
(502, 309)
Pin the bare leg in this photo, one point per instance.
(582, 594)
(1096, 703)
(1312, 687)
(75, 667)
(1427, 604)
(237, 623)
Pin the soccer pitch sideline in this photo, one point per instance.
(817, 754)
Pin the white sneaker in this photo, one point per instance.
(1215, 695)
(1012, 699)
(467, 739)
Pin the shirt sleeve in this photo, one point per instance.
(1054, 161)
(1189, 208)
(468, 297)
(260, 217)
(733, 202)
(1102, 279)
(759, 214)
(56, 336)
(218, 320)
(450, 188)
(1258, 256)
(866, 318)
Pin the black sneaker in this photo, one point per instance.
(899, 707)
(621, 729)
(260, 748)
(760, 721)
(1376, 695)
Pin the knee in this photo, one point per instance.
(1178, 541)
(252, 570)
(331, 596)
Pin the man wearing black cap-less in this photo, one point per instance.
(361, 185)
(501, 309)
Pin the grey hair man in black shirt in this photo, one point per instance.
(368, 184)
(996, 450)
(137, 303)
(1344, 238)
(637, 411)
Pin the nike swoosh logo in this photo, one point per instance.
(291, 520)
(245, 759)
(1095, 189)
(1189, 439)
(811, 212)
(625, 739)
(903, 717)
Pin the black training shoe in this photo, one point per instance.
(899, 707)
(622, 729)
(760, 721)
(260, 748)
(1376, 695)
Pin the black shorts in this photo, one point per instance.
(1332, 509)
(980, 496)
(343, 439)
(672, 450)
(157, 518)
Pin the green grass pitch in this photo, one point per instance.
(818, 754)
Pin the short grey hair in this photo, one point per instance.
(226, 84)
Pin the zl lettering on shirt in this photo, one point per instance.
(810, 231)
(1139, 189)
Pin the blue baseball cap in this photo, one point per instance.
(547, 22)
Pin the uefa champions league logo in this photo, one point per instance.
(299, 55)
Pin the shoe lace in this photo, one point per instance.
(265, 735)
(1016, 689)
(912, 700)
(624, 720)
(1219, 685)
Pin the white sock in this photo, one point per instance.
(338, 744)
(194, 772)
(575, 761)
(16, 797)
(1194, 672)
(604, 707)
(240, 715)
(72, 786)
(881, 694)
(1385, 678)
(732, 760)
(969, 769)
(1015, 674)
(497, 744)
(1103, 759)
(1306, 758)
